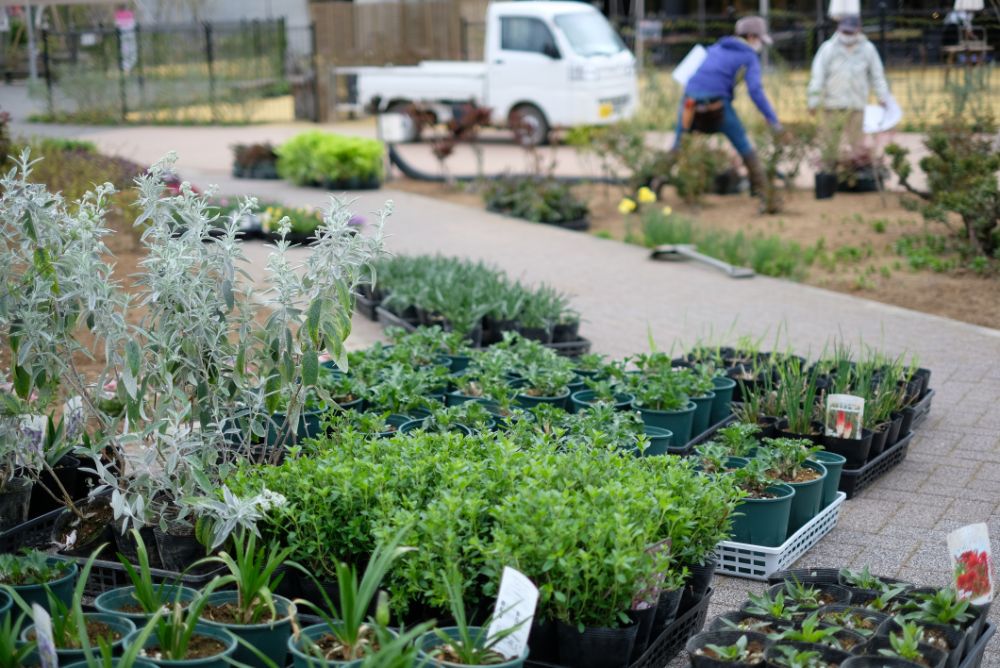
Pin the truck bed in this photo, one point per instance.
(438, 80)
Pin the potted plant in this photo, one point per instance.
(464, 644)
(605, 390)
(809, 597)
(773, 604)
(74, 632)
(714, 459)
(790, 463)
(761, 518)
(791, 654)
(251, 612)
(942, 637)
(862, 621)
(34, 574)
(812, 630)
(545, 384)
(662, 402)
(739, 620)
(727, 648)
(13, 652)
(700, 389)
(344, 637)
(144, 598)
(15, 488)
(179, 638)
(907, 643)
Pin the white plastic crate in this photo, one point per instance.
(756, 562)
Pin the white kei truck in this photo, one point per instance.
(548, 64)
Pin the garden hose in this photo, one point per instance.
(411, 172)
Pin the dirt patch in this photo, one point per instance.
(95, 632)
(852, 238)
(200, 647)
(228, 613)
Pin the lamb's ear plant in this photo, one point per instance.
(346, 617)
(470, 645)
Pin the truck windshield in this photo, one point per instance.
(589, 34)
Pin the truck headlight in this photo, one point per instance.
(583, 73)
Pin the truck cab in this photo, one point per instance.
(546, 64)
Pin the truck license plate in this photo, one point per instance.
(605, 110)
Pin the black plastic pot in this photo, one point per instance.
(830, 655)
(935, 658)
(826, 185)
(14, 501)
(816, 436)
(596, 647)
(875, 618)
(643, 619)
(697, 584)
(880, 436)
(666, 610)
(565, 332)
(894, 430)
(178, 548)
(723, 639)
(954, 638)
(855, 450)
(906, 425)
(878, 662)
(837, 594)
(540, 334)
(129, 548)
(67, 473)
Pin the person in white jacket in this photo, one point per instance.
(845, 70)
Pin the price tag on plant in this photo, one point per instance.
(515, 608)
(844, 414)
(972, 563)
(47, 657)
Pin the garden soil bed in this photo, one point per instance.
(850, 222)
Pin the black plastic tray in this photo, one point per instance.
(853, 481)
(667, 644)
(974, 657)
(36, 533)
(390, 319)
(107, 575)
(922, 408)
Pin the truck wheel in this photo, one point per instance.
(529, 125)
(412, 125)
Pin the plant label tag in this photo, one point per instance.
(844, 416)
(43, 637)
(515, 608)
(972, 563)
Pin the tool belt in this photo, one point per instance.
(704, 116)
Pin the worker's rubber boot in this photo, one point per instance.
(760, 185)
(662, 169)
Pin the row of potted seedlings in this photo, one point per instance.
(314, 158)
(853, 619)
(478, 301)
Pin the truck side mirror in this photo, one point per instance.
(551, 50)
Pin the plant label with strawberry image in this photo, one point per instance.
(844, 413)
(516, 602)
(972, 563)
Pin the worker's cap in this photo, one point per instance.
(849, 24)
(754, 25)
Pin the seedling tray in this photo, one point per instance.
(922, 409)
(853, 481)
(974, 657)
(704, 436)
(365, 306)
(107, 575)
(667, 645)
(35, 533)
(756, 562)
(390, 319)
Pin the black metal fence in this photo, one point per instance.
(218, 72)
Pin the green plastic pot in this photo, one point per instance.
(722, 404)
(764, 522)
(113, 601)
(702, 412)
(528, 401)
(430, 640)
(586, 398)
(680, 423)
(659, 441)
(396, 421)
(458, 362)
(124, 627)
(62, 588)
(300, 659)
(807, 500)
(202, 629)
(834, 464)
(115, 662)
(270, 638)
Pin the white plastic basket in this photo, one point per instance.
(755, 562)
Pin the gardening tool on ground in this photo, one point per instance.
(684, 252)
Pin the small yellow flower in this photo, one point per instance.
(667, 211)
(626, 206)
(646, 196)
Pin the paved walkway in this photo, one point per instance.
(897, 527)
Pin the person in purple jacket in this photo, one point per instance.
(707, 105)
